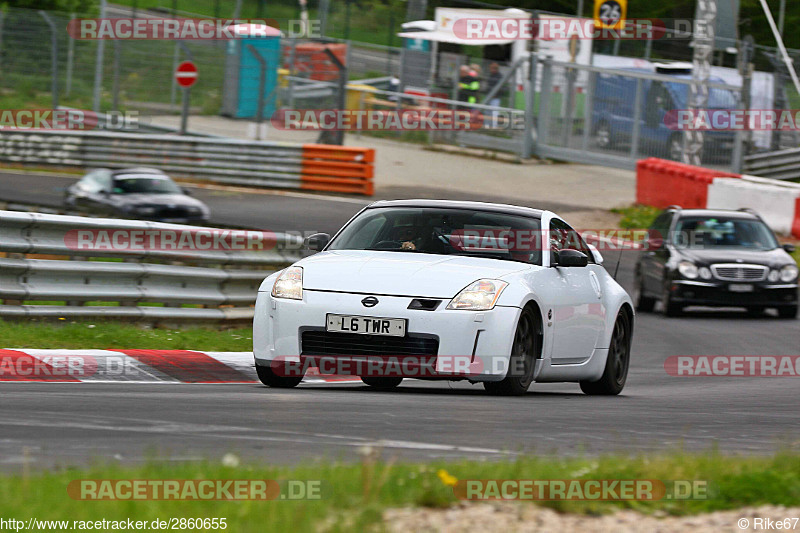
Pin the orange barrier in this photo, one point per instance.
(335, 168)
(796, 223)
(661, 183)
(310, 60)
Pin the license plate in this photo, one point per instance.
(367, 325)
(740, 288)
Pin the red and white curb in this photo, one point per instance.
(138, 366)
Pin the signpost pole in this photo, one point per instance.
(185, 110)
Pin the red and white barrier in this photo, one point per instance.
(775, 201)
(137, 366)
(661, 183)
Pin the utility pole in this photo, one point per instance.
(703, 42)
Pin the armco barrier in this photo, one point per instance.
(661, 183)
(40, 261)
(219, 160)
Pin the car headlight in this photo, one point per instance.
(774, 275)
(289, 284)
(788, 273)
(705, 273)
(478, 296)
(687, 269)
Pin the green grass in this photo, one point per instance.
(355, 495)
(104, 334)
(637, 216)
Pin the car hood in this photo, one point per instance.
(399, 273)
(771, 258)
(156, 199)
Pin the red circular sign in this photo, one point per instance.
(186, 74)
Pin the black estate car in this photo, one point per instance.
(142, 193)
(715, 258)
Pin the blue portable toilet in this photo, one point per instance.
(243, 70)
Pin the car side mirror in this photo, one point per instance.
(570, 258)
(654, 243)
(317, 241)
(790, 248)
(187, 192)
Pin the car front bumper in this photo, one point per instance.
(471, 344)
(720, 294)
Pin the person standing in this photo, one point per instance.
(494, 79)
(468, 85)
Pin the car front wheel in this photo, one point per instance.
(524, 351)
(269, 378)
(616, 370)
(669, 306)
(382, 383)
(642, 302)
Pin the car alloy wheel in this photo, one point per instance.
(615, 373)
(642, 302)
(602, 136)
(524, 352)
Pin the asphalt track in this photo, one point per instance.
(63, 424)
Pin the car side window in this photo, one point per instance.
(563, 237)
(660, 227)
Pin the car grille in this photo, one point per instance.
(174, 212)
(736, 272)
(325, 343)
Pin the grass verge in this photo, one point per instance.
(110, 335)
(636, 216)
(354, 495)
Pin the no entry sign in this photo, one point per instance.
(186, 74)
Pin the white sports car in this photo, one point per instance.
(435, 289)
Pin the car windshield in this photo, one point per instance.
(717, 98)
(152, 184)
(443, 231)
(722, 232)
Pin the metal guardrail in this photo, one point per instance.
(137, 283)
(781, 165)
(218, 160)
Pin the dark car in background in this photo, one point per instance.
(716, 258)
(140, 193)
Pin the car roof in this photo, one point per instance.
(729, 213)
(458, 204)
(137, 170)
(677, 75)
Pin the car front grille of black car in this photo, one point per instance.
(736, 272)
(316, 342)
